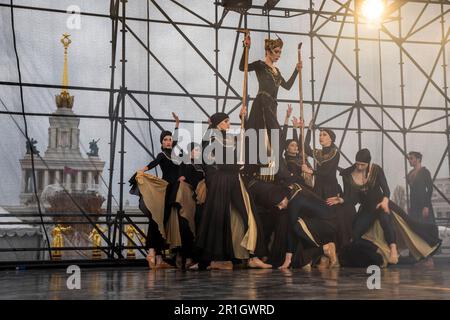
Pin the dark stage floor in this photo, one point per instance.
(403, 282)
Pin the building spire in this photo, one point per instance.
(66, 43)
(64, 99)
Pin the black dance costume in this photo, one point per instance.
(302, 229)
(313, 227)
(327, 159)
(170, 173)
(327, 186)
(420, 193)
(229, 227)
(194, 174)
(396, 227)
(294, 162)
(369, 196)
(263, 114)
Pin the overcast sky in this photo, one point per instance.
(41, 56)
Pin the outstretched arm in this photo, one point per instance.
(175, 131)
(288, 85)
(284, 132)
(153, 163)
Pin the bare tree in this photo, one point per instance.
(399, 197)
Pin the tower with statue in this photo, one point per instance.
(67, 182)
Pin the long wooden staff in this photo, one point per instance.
(308, 178)
(300, 92)
(244, 94)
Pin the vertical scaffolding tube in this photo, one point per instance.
(402, 92)
(312, 58)
(113, 120)
(122, 128)
(444, 70)
(358, 76)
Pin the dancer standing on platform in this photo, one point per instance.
(229, 228)
(325, 181)
(162, 200)
(421, 189)
(420, 192)
(263, 115)
(379, 220)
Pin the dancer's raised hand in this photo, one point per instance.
(177, 119)
(289, 111)
(247, 41)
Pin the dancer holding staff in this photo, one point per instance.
(308, 178)
(263, 115)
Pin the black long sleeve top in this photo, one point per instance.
(421, 189)
(327, 159)
(369, 194)
(170, 168)
(193, 173)
(268, 81)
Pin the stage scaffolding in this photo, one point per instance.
(318, 15)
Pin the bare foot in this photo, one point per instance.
(189, 263)
(307, 268)
(324, 263)
(193, 267)
(221, 265)
(393, 258)
(330, 251)
(287, 261)
(151, 259)
(258, 264)
(161, 264)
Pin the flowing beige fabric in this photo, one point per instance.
(416, 245)
(237, 234)
(186, 210)
(376, 235)
(173, 229)
(153, 191)
(250, 238)
(201, 192)
(406, 239)
(186, 200)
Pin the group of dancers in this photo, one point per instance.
(215, 214)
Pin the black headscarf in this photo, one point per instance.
(164, 134)
(217, 118)
(330, 133)
(363, 155)
(288, 142)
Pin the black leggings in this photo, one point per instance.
(366, 218)
(155, 240)
(187, 238)
(316, 216)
